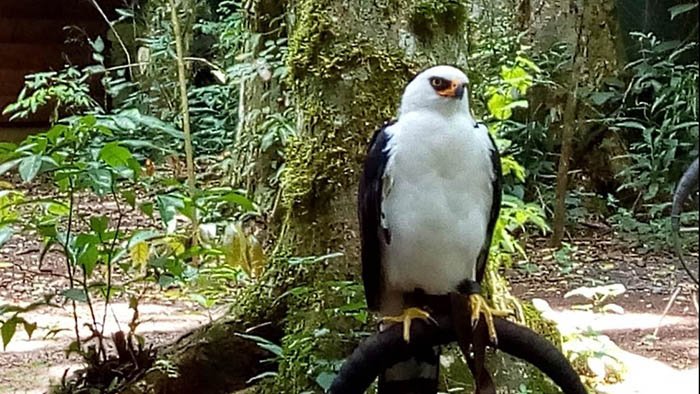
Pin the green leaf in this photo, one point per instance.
(86, 239)
(47, 230)
(631, 124)
(651, 192)
(115, 155)
(88, 259)
(8, 331)
(101, 180)
(8, 165)
(498, 106)
(130, 197)
(141, 236)
(29, 167)
(262, 343)
(147, 209)
(168, 206)
(600, 98)
(140, 252)
(681, 9)
(98, 45)
(165, 281)
(239, 199)
(6, 233)
(75, 294)
(325, 379)
(29, 328)
(131, 119)
(99, 224)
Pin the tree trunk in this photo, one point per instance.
(596, 55)
(567, 135)
(348, 65)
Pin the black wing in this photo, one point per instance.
(497, 186)
(369, 204)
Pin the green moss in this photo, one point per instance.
(432, 16)
(308, 34)
(345, 90)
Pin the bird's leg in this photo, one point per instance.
(406, 317)
(479, 306)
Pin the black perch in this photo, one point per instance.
(688, 183)
(386, 348)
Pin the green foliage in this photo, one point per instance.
(325, 320)
(657, 112)
(105, 154)
(66, 89)
(680, 9)
(506, 92)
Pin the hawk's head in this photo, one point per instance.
(441, 88)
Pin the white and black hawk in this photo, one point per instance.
(428, 202)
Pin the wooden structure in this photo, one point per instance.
(43, 35)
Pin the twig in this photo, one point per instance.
(139, 64)
(234, 177)
(110, 255)
(569, 126)
(668, 307)
(185, 109)
(114, 31)
(66, 248)
(88, 300)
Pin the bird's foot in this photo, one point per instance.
(479, 306)
(406, 317)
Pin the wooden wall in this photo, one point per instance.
(43, 35)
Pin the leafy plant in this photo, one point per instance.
(505, 93)
(657, 112)
(102, 154)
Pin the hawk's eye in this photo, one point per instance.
(438, 83)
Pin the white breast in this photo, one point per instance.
(438, 180)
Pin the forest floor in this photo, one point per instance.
(597, 257)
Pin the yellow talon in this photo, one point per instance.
(480, 306)
(405, 317)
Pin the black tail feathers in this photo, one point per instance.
(416, 375)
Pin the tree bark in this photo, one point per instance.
(569, 125)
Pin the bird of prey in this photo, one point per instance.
(428, 202)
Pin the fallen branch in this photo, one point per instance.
(386, 348)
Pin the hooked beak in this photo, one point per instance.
(455, 90)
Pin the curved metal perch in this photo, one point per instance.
(688, 183)
(386, 348)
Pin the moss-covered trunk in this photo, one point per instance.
(348, 65)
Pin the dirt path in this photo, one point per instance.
(599, 258)
(44, 359)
